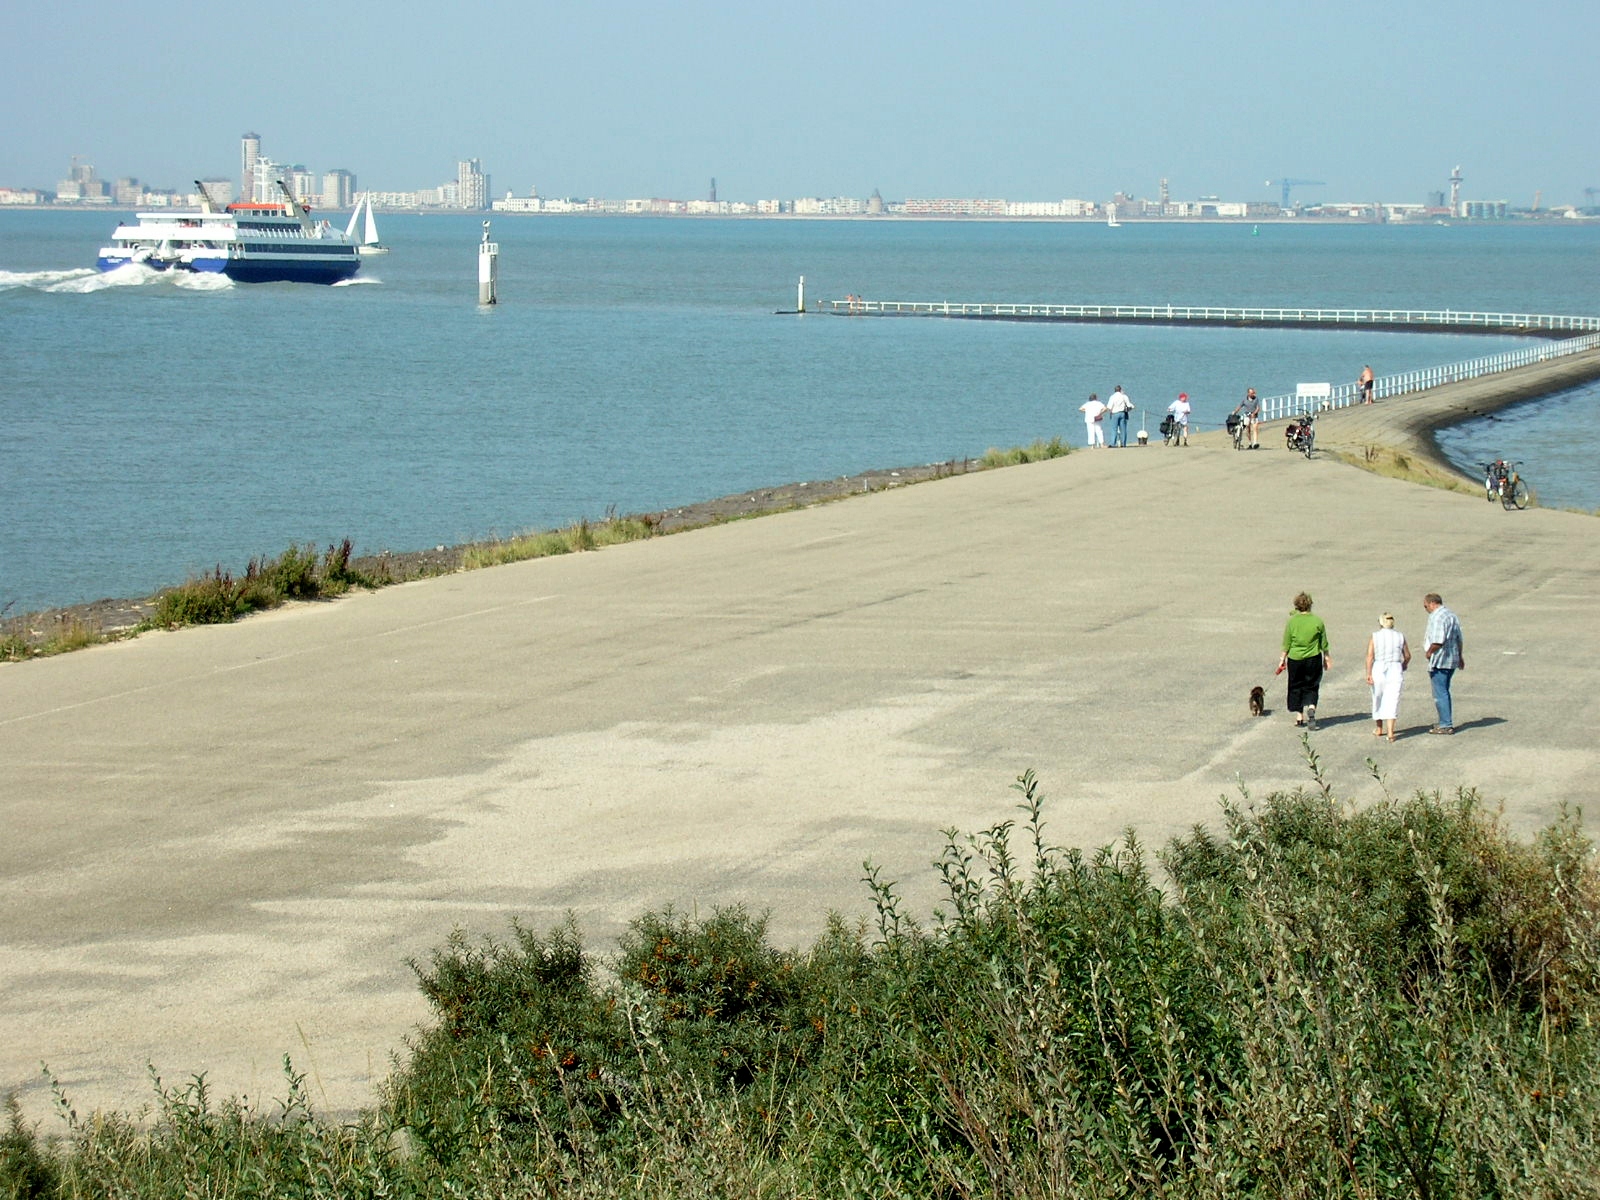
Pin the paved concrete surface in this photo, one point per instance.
(223, 844)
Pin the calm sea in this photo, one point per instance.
(158, 427)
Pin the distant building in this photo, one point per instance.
(393, 199)
(472, 185)
(82, 187)
(951, 207)
(1483, 210)
(1049, 208)
(264, 178)
(338, 189)
(829, 206)
(127, 193)
(221, 191)
(303, 184)
(249, 152)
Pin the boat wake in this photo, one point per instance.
(353, 282)
(85, 280)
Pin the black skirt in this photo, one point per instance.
(1305, 677)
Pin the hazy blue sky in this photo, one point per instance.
(1021, 100)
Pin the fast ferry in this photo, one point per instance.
(247, 242)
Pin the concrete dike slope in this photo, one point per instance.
(224, 843)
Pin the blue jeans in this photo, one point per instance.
(1119, 429)
(1439, 680)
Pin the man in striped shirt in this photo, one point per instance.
(1444, 658)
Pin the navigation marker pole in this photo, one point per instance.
(488, 267)
(800, 304)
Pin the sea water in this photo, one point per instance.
(157, 425)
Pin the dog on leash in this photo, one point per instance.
(1258, 700)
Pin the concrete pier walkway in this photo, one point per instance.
(224, 843)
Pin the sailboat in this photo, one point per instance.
(363, 229)
(1111, 217)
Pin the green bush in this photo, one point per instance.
(1306, 1001)
(296, 574)
(1034, 452)
(212, 599)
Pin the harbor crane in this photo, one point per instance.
(1286, 184)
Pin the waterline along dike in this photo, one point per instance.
(636, 366)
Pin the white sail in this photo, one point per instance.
(363, 221)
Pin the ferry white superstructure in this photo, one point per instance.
(247, 242)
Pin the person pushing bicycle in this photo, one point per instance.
(1249, 410)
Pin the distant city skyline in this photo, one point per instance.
(1026, 100)
(471, 189)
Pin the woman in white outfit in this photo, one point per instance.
(1388, 656)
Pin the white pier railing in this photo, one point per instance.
(1573, 335)
(1345, 394)
(1523, 324)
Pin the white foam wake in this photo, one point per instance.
(200, 281)
(42, 280)
(84, 280)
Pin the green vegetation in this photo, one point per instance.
(73, 635)
(296, 574)
(1037, 452)
(1305, 1001)
(219, 598)
(1396, 464)
(571, 540)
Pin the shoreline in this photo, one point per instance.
(113, 618)
(1394, 437)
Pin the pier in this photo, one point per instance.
(1563, 335)
(1387, 320)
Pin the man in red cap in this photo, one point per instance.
(1180, 410)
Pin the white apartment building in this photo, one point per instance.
(830, 206)
(472, 185)
(338, 189)
(249, 152)
(953, 207)
(1050, 208)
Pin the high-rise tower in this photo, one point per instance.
(472, 185)
(249, 151)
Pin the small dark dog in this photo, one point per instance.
(1258, 701)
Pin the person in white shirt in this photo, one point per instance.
(1120, 407)
(1094, 414)
(1180, 410)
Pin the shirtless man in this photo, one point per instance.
(1366, 385)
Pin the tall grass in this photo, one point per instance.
(574, 539)
(1034, 452)
(1304, 1001)
(297, 574)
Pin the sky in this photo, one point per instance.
(1376, 100)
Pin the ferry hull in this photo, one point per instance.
(244, 270)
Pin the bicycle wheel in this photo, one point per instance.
(1519, 494)
(1310, 438)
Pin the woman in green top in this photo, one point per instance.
(1305, 656)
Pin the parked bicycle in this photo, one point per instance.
(1503, 482)
(1300, 434)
